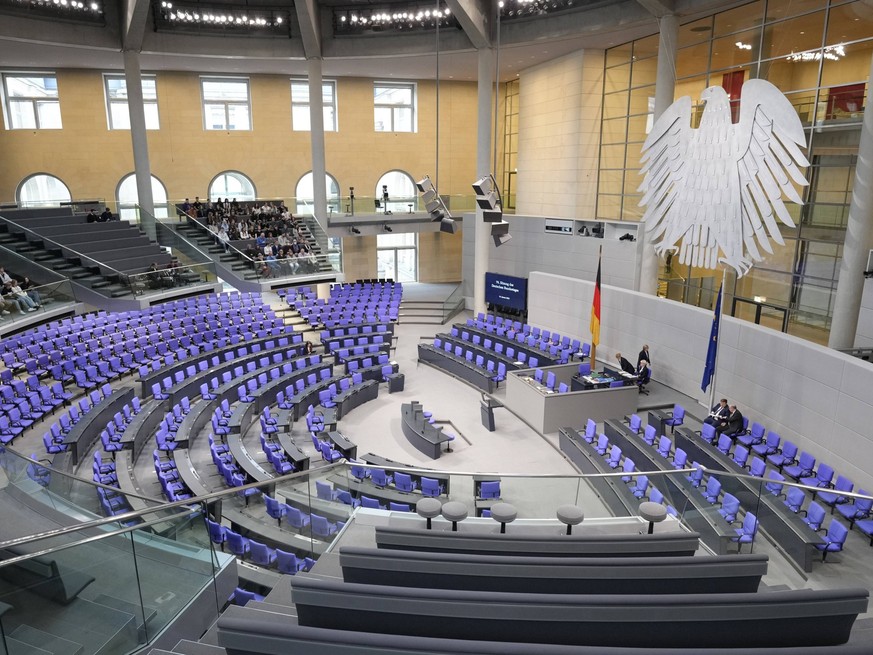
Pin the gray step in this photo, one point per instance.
(79, 275)
(91, 280)
(116, 290)
(216, 250)
(418, 320)
(239, 267)
(250, 276)
(101, 284)
(227, 258)
(188, 647)
(43, 256)
(65, 266)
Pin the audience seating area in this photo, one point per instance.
(350, 304)
(97, 255)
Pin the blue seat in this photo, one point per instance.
(290, 564)
(857, 510)
(815, 516)
(237, 544)
(730, 506)
(275, 509)
(614, 457)
(803, 468)
(834, 539)
(676, 417)
(489, 489)
(431, 487)
(404, 482)
(261, 554)
(746, 533)
(322, 527)
(794, 499)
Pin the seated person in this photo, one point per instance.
(644, 374)
(626, 366)
(14, 293)
(30, 289)
(732, 424)
(719, 413)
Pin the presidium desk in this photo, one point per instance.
(548, 411)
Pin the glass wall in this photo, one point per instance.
(818, 53)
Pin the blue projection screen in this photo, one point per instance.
(506, 291)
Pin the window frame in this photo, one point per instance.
(110, 102)
(333, 104)
(226, 103)
(412, 86)
(7, 107)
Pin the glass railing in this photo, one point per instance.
(171, 277)
(112, 583)
(454, 303)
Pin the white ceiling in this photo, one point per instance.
(33, 44)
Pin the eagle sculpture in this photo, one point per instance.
(715, 193)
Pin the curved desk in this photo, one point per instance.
(457, 366)
(82, 436)
(421, 434)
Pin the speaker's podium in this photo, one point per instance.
(486, 407)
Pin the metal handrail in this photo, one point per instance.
(206, 498)
(215, 495)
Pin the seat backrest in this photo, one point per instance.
(664, 446)
(635, 423)
(825, 473)
(757, 467)
(789, 450)
(602, 442)
(650, 434)
(678, 412)
(815, 514)
(807, 461)
(795, 498)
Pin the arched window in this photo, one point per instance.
(127, 196)
(42, 190)
(400, 188)
(305, 195)
(232, 184)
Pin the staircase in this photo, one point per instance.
(422, 312)
(235, 267)
(88, 277)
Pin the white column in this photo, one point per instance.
(138, 135)
(482, 233)
(859, 240)
(665, 84)
(316, 126)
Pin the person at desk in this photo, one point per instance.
(643, 374)
(732, 424)
(644, 355)
(626, 366)
(719, 413)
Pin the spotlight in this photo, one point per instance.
(500, 233)
(387, 228)
(488, 199)
(482, 186)
(448, 226)
(354, 230)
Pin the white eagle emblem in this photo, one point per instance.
(719, 189)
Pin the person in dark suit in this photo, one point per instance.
(732, 424)
(626, 366)
(644, 355)
(719, 413)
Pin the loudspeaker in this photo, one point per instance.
(500, 239)
(448, 226)
(492, 215)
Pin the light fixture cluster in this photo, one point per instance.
(831, 53)
(435, 206)
(489, 201)
(370, 20)
(89, 10)
(171, 14)
(510, 9)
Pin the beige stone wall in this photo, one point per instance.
(559, 136)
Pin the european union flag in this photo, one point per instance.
(709, 369)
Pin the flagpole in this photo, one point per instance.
(596, 302)
(718, 341)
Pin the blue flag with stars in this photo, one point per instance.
(709, 369)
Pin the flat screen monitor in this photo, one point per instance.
(506, 291)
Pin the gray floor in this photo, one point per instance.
(514, 448)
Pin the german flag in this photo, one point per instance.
(595, 306)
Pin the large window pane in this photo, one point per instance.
(305, 194)
(115, 88)
(233, 185)
(128, 198)
(394, 107)
(793, 37)
(300, 105)
(741, 18)
(43, 191)
(226, 104)
(32, 102)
